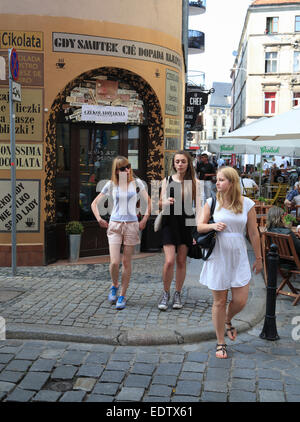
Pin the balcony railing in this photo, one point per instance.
(197, 7)
(196, 42)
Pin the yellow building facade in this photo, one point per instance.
(98, 79)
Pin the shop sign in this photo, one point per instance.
(28, 156)
(21, 40)
(195, 102)
(29, 115)
(269, 150)
(88, 44)
(27, 205)
(227, 148)
(172, 92)
(31, 68)
(172, 127)
(101, 114)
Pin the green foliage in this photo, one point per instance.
(74, 227)
(289, 218)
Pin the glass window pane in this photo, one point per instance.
(297, 24)
(133, 146)
(296, 67)
(63, 146)
(97, 151)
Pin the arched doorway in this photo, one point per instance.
(77, 157)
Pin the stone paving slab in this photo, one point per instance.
(255, 371)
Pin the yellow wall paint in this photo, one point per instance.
(56, 79)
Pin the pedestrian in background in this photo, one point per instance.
(228, 266)
(182, 188)
(123, 227)
(206, 172)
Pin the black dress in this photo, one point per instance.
(175, 230)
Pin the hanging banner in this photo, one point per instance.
(195, 102)
(27, 205)
(101, 114)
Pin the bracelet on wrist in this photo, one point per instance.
(259, 257)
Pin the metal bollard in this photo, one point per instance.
(269, 331)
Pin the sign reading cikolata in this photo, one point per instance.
(88, 44)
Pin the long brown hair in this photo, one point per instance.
(274, 217)
(234, 192)
(118, 162)
(190, 171)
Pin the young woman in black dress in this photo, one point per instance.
(180, 193)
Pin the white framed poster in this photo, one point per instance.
(28, 193)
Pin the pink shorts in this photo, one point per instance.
(124, 232)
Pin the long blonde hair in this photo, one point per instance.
(234, 192)
(118, 162)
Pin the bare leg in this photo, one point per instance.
(182, 251)
(126, 268)
(219, 314)
(168, 269)
(237, 303)
(115, 257)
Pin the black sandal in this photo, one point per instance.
(232, 330)
(221, 348)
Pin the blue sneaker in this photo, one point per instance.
(121, 302)
(112, 297)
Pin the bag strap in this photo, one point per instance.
(212, 209)
(213, 205)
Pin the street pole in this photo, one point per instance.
(12, 173)
(269, 331)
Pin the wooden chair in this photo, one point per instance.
(297, 212)
(288, 269)
(250, 192)
(280, 195)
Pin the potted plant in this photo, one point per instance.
(288, 220)
(262, 199)
(74, 229)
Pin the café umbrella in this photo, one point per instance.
(288, 147)
(280, 127)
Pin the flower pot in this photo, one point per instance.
(288, 225)
(74, 246)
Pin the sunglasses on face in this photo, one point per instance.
(124, 168)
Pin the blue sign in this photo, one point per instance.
(14, 64)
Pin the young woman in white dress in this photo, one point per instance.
(228, 266)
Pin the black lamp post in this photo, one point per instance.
(269, 331)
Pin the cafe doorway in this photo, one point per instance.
(80, 153)
(84, 157)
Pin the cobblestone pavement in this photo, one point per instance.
(256, 371)
(44, 304)
(70, 303)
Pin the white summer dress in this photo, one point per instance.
(228, 265)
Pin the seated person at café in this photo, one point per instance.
(247, 182)
(275, 225)
(293, 197)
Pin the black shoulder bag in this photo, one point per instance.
(205, 242)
